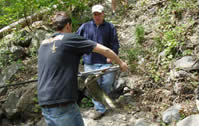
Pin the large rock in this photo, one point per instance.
(187, 63)
(21, 102)
(18, 52)
(171, 114)
(38, 37)
(7, 73)
(26, 105)
(23, 39)
(9, 106)
(192, 120)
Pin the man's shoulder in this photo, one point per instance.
(52, 39)
(108, 24)
(88, 23)
(71, 36)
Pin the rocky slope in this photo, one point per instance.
(159, 40)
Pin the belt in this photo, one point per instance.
(58, 104)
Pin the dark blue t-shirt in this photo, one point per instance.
(58, 62)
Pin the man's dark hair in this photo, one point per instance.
(60, 19)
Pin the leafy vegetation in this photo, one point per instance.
(37, 107)
(170, 40)
(133, 57)
(139, 34)
(173, 34)
(12, 10)
(135, 52)
(5, 57)
(86, 102)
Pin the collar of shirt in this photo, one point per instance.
(55, 34)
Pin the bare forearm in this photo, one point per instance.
(107, 53)
(111, 55)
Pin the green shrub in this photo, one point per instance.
(187, 52)
(132, 57)
(86, 102)
(37, 107)
(139, 34)
(6, 57)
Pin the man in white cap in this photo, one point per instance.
(104, 33)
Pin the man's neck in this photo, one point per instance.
(64, 31)
(98, 24)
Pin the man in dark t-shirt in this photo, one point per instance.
(58, 61)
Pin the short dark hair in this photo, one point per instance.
(60, 19)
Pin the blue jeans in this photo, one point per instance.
(105, 82)
(68, 115)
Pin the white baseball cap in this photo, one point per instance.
(97, 8)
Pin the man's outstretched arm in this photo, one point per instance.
(111, 55)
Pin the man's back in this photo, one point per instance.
(58, 62)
